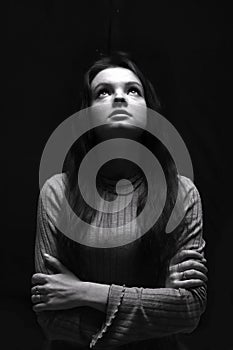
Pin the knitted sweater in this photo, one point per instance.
(140, 314)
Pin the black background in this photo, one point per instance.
(184, 47)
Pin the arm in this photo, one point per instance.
(135, 314)
(76, 324)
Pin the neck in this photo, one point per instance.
(118, 169)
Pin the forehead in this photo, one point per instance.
(116, 75)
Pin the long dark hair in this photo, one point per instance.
(156, 241)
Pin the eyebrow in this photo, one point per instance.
(109, 84)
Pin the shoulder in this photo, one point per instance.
(186, 183)
(52, 193)
(55, 185)
(189, 194)
(187, 187)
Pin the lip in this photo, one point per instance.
(120, 114)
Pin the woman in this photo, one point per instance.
(139, 295)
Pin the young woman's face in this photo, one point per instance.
(119, 97)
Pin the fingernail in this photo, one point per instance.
(46, 255)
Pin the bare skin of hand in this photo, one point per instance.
(187, 270)
(62, 290)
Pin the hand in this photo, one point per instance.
(62, 290)
(187, 270)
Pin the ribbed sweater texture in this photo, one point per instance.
(140, 314)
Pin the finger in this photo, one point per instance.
(38, 289)
(188, 284)
(189, 265)
(40, 307)
(185, 255)
(55, 263)
(192, 274)
(39, 278)
(39, 298)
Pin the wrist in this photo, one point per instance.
(96, 295)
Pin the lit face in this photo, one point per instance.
(118, 95)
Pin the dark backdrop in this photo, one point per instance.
(184, 47)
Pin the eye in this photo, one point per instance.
(103, 92)
(134, 91)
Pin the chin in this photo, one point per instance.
(119, 129)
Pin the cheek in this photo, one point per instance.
(99, 112)
(140, 113)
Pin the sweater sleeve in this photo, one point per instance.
(135, 314)
(76, 325)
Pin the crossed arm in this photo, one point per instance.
(111, 315)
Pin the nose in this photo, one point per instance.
(119, 98)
